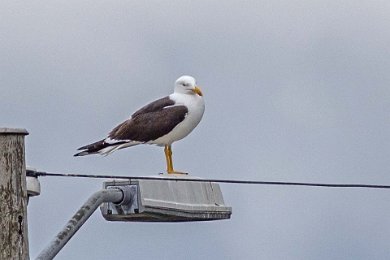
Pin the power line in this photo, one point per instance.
(328, 185)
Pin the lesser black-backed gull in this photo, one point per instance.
(161, 122)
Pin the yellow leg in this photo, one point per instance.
(168, 157)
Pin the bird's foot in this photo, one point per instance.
(177, 172)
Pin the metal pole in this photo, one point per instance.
(99, 197)
(13, 195)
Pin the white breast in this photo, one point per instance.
(196, 107)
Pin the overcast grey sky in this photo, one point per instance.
(295, 91)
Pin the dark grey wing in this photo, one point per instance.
(148, 123)
(155, 106)
(146, 126)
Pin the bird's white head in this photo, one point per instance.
(187, 85)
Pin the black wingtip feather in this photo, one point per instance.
(81, 153)
(91, 148)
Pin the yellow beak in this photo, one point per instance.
(197, 91)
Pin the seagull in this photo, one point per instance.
(160, 123)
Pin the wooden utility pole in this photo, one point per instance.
(13, 195)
